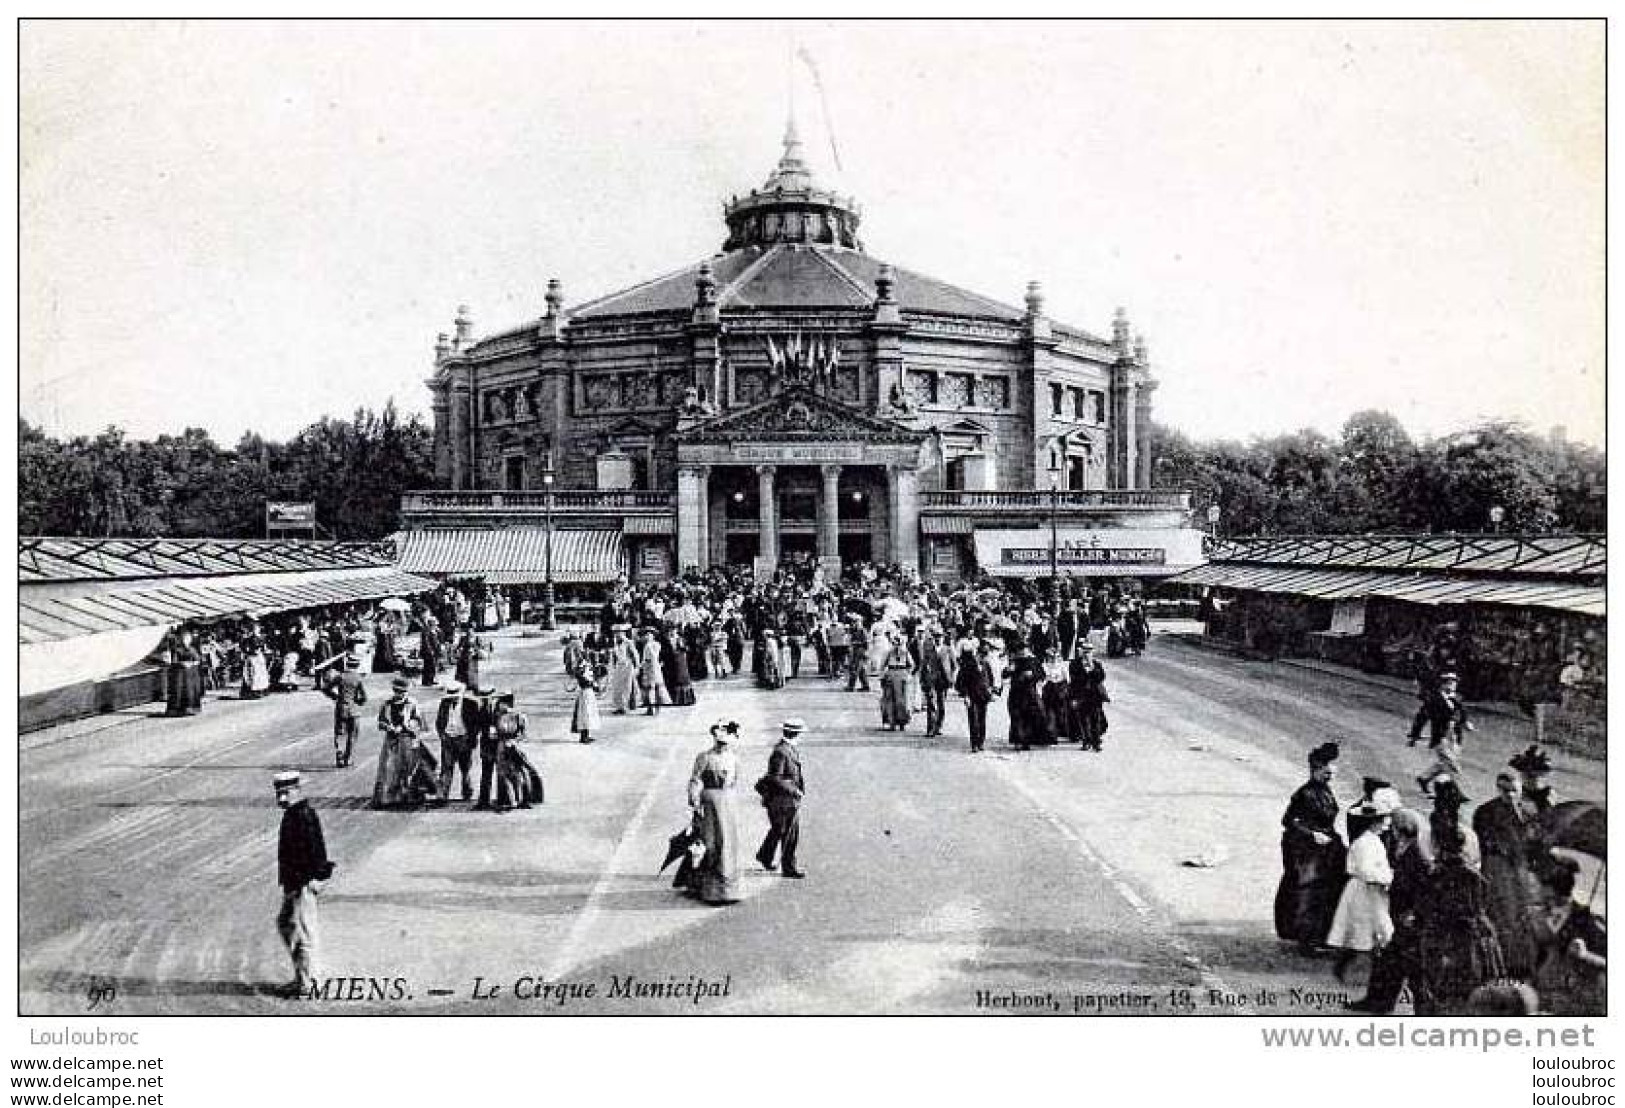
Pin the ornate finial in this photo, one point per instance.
(705, 286)
(1120, 337)
(464, 324)
(555, 296)
(442, 347)
(886, 309)
(1035, 299)
(1141, 353)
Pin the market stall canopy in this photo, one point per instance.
(88, 608)
(54, 613)
(1089, 552)
(1558, 572)
(514, 555)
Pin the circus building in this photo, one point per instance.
(793, 398)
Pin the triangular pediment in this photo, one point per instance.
(799, 414)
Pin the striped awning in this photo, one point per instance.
(513, 555)
(50, 614)
(649, 525)
(1326, 584)
(947, 525)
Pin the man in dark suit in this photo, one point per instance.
(349, 693)
(302, 867)
(782, 789)
(935, 663)
(977, 684)
(457, 722)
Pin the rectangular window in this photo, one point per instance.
(1100, 406)
(1077, 403)
(1075, 472)
(995, 392)
(513, 472)
(957, 389)
(922, 386)
(1057, 395)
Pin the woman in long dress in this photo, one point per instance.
(1457, 950)
(674, 663)
(880, 636)
(772, 675)
(712, 797)
(585, 718)
(1029, 727)
(1312, 856)
(1055, 695)
(895, 670)
(256, 670)
(623, 672)
(1361, 924)
(400, 722)
(185, 691)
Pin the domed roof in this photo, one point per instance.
(790, 275)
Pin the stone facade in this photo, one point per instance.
(923, 387)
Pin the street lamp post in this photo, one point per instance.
(1497, 514)
(549, 620)
(1213, 520)
(1054, 528)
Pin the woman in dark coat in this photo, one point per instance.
(1086, 695)
(1028, 726)
(734, 627)
(1312, 856)
(1457, 950)
(185, 688)
(674, 667)
(696, 637)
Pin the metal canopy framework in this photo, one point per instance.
(1559, 572)
(42, 559)
(55, 617)
(1522, 555)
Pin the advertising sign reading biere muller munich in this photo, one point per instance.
(1074, 554)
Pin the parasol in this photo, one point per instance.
(395, 604)
(1577, 825)
(678, 845)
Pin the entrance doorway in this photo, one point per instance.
(855, 548)
(797, 545)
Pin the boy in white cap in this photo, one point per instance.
(302, 867)
(782, 789)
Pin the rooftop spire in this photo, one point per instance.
(792, 171)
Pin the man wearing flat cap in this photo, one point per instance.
(348, 692)
(302, 867)
(782, 788)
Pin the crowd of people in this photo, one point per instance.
(1467, 913)
(1474, 915)
(880, 629)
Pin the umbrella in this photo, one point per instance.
(395, 604)
(1578, 825)
(677, 846)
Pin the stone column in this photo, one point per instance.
(829, 523)
(690, 516)
(903, 485)
(767, 521)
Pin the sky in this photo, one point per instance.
(245, 226)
